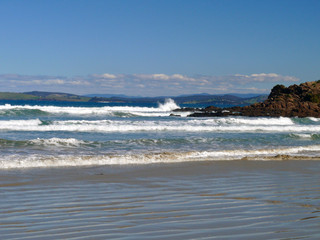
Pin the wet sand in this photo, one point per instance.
(195, 200)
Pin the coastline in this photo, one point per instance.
(72, 171)
(293, 101)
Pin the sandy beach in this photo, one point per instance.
(206, 200)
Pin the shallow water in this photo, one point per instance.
(44, 134)
(112, 171)
(203, 200)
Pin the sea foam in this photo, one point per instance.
(45, 161)
(58, 142)
(168, 105)
(215, 125)
(162, 110)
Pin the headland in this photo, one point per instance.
(294, 101)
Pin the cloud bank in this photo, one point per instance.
(157, 84)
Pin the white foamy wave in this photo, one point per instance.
(168, 105)
(301, 135)
(162, 110)
(314, 119)
(282, 121)
(58, 142)
(310, 151)
(20, 124)
(138, 126)
(41, 161)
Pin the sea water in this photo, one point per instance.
(113, 170)
(36, 134)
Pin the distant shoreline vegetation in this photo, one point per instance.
(43, 96)
(186, 99)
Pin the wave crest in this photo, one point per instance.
(168, 105)
(45, 161)
(119, 111)
(210, 125)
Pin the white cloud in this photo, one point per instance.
(146, 84)
(156, 76)
(107, 75)
(178, 76)
(160, 76)
(267, 77)
(54, 81)
(79, 82)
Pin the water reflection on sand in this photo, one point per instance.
(200, 200)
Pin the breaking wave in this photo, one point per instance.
(65, 136)
(120, 111)
(22, 112)
(277, 125)
(57, 142)
(168, 105)
(47, 161)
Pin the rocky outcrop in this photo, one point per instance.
(294, 101)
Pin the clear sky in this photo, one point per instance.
(158, 47)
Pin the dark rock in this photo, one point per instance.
(186, 109)
(292, 101)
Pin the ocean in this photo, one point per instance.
(135, 171)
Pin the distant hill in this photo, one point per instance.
(17, 96)
(240, 95)
(189, 99)
(219, 99)
(109, 95)
(203, 98)
(245, 95)
(43, 96)
(57, 96)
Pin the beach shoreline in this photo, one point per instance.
(221, 199)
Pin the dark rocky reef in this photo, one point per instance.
(294, 101)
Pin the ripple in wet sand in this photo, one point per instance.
(226, 200)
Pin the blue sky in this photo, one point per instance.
(158, 47)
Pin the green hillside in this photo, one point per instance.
(188, 99)
(17, 96)
(43, 96)
(57, 96)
